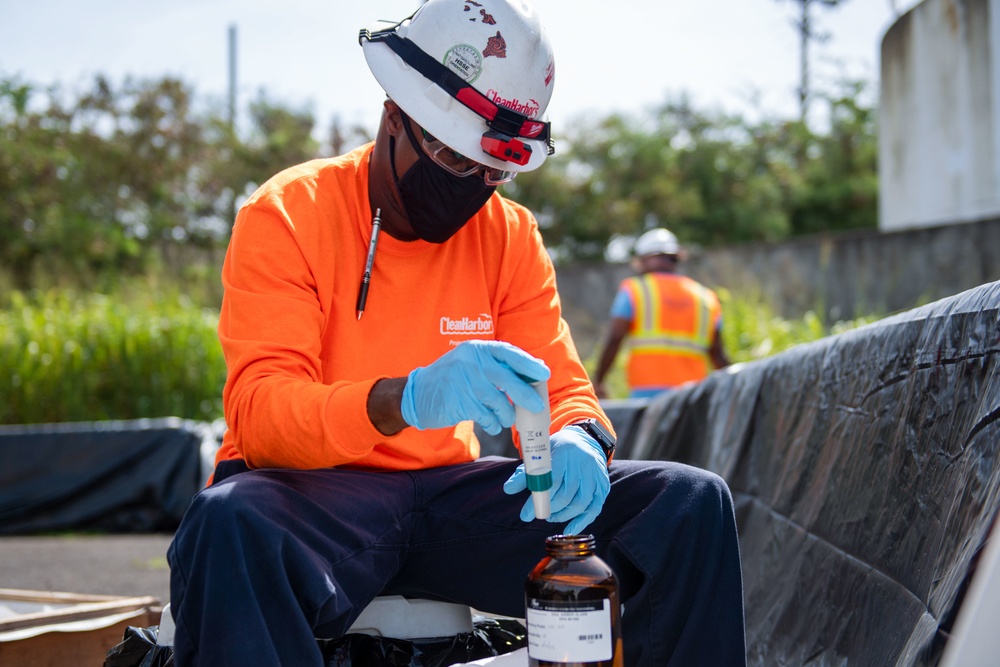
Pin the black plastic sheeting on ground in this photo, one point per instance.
(128, 476)
(138, 648)
(489, 637)
(866, 476)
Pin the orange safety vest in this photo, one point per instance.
(673, 324)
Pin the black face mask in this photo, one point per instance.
(437, 203)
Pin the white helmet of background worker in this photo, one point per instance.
(491, 55)
(657, 241)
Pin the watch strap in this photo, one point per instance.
(598, 432)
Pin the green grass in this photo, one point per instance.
(89, 357)
(68, 356)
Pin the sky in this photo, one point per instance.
(622, 56)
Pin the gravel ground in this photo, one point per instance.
(125, 565)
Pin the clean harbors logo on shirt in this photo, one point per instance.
(479, 326)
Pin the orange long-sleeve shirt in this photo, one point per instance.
(301, 365)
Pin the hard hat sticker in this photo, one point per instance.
(487, 18)
(496, 46)
(465, 61)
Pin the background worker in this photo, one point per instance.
(350, 467)
(673, 323)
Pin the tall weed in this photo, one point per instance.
(85, 357)
(68, 356)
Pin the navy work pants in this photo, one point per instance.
(265, 561)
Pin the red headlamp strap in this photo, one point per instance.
(507, 127)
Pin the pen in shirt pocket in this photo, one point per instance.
(366, 278)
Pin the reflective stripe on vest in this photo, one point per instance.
(669, 346)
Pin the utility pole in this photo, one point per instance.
(232, 107)
(232, 77)
(807, 34)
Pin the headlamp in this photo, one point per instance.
(505, 147)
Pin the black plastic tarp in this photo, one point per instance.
(125, 476)
(866, 475)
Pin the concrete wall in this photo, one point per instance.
(939, 115)
(841, 276)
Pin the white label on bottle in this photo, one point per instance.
(569, 631)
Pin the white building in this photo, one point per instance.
(939, 115)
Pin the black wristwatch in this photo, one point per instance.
(596, 430)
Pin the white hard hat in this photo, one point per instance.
(657, 241)
(476, 75)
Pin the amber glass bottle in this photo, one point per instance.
(572, 609)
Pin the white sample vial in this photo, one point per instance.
(536, 450)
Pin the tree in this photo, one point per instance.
(839, 182)
(342, 141)
(278, 138)
(707, 176)
(117, 176)
(94, 183)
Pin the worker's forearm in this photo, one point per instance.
(604, 364)
(384, 405)
(617, 331)
(718, 352)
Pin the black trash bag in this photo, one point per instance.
(489, 637)
(139, 649)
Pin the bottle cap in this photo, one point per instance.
(541, 501)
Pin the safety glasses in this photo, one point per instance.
(459, 165)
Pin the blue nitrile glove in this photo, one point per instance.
(580, 480)
(477, 380)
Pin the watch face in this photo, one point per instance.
(601, 434)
